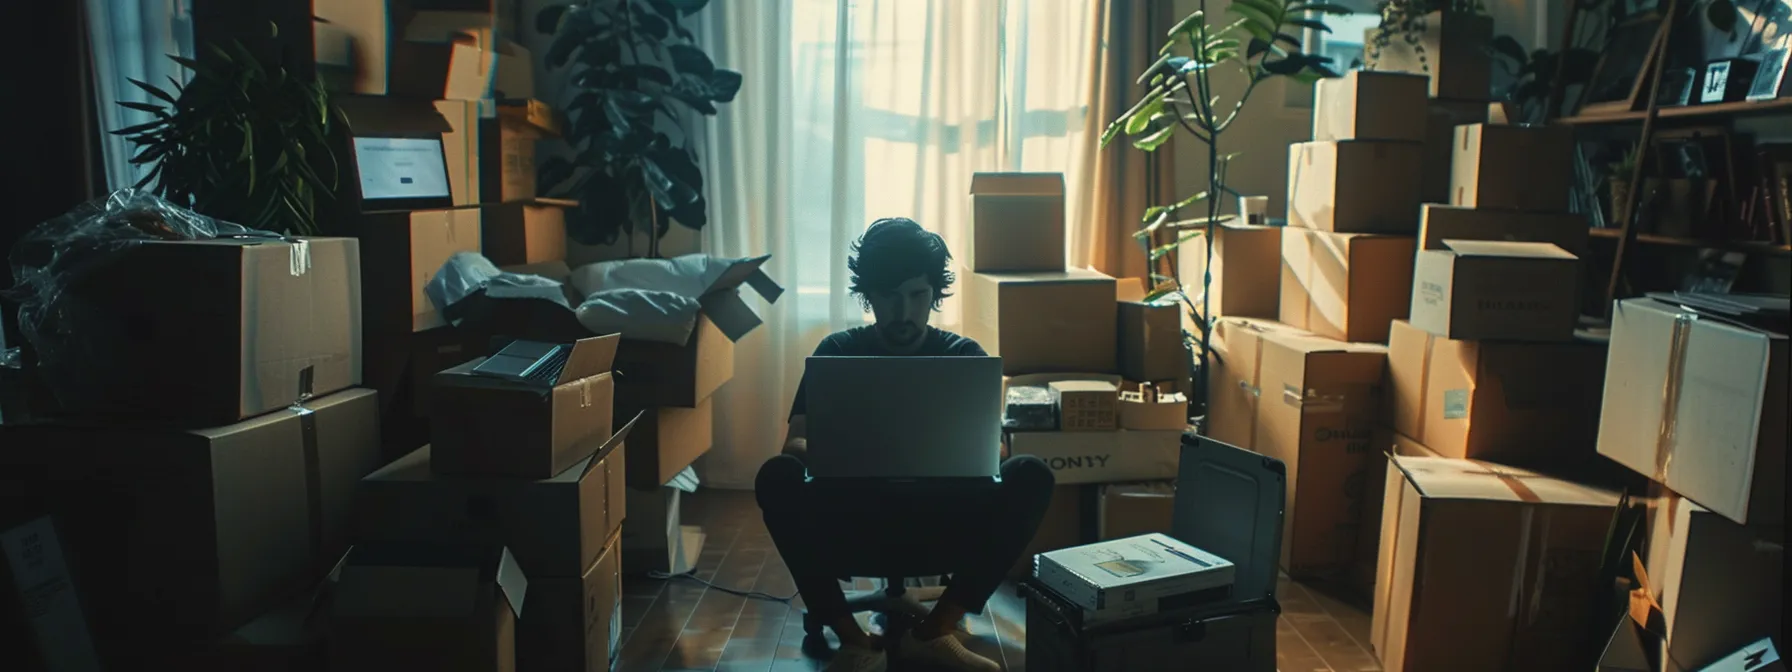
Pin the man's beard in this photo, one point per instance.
(900, 333)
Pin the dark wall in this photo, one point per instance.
(46, 140)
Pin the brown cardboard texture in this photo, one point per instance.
(1438, 222)
(536, 428)
(218, 525)
(1234, 387)
(1150, 339)
(1526, 168)
(1129, 510)
(1345, 286)
(1152, 406)
(364, 37)
(556, 526)
(1367, 105)
(254, 326)
(507, 149)
(1320, 401)
(475, 64)
(1699, 404)
(1355, 186)
(1368, 539)
(1516, 403)
(402, 250)
(1086, 405)
(1103, 457)
(667, 441)
(421, 607)
(1496, 290)
(1451, 50)
(1246, 281)
(1017, 222)
(525, 232)
(1719, 584)
(1485, 563)
(1440, 143)
(460, 147)
(1043, 322)
(574, 623)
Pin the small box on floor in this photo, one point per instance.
(1138, 576)
(1245, 275)
(1672, 367)
(1234, 388)
(1017, 222)
(1086, 405)
(529, 411)
(574, 624)
(1720, 584)
(1496, 291)
(666, 441)
(1501, 167)
(1043, 322)
(391, 609)
(1133, 509)
(1368, 105)
(1355, 186)
(1345, 286)
(1472, 534)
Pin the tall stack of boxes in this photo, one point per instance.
(522, 491)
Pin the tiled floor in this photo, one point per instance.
(681, 625)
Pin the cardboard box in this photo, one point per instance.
(535, 428)
(449, 15)
(1345, 286)
(655, 540)
(507, 149)
(1719, 584)
(1102, 457)
(1530, 404)
(1152, 406)
(1245, 280)
(525, 232)
(574, 624)
(1150, 338)
(1439, 222)
(433, 352)
(1123, 579)
(219, 525)
(1234, 387)
(39, 602)
(1368, 539)
(1132, 509)
(1355, 186)
(1086, 405)
(392, 609)
(1485, 563)
(1368, 105)
(1699, 404)
(404, 250)
(477, 63)
(667, 441)
(1322, 400)
(1527, 168)
(460, 147)
(228, 329)
(1451, 51)
(400, 135)
(1496, 290)
(1440, 143)
(1017, 222)
(1069, 521)
(555, 526)
(1043, 322)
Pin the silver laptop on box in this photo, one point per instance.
(904, 417)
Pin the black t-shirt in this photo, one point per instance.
(863, 342)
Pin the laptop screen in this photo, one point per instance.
(401, 168)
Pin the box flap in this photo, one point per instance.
(1017, 184)
(589, 357)
(577, 360)
(1506, 248)
(370, 116)
(537, 115)
(511, 582)
(410, 579)
(1229, 503)
(1451, 478)
(616, 441)
(1129, 290)
(737, 274)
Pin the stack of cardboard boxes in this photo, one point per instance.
(521, 493)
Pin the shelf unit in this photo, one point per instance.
(1671, 241)
(1713, 111)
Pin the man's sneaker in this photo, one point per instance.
(943, 652)
(858, 659)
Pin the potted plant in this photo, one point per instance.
(1444, 39)
(1181, 101)
(241, 142)
(635, 75)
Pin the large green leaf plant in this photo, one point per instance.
(1261, 42)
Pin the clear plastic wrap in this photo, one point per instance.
(56, 254)
(1030, 408)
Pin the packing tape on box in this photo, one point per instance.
(314, 499)
(1670, 394)
(299, 258)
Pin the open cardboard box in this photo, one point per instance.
(1096, 457)
(534, 428)
(427, 607)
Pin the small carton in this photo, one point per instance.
(411, 606)
(1527, 168)
(1438, 222)
(1345, 286)
(1355, 186)
(1369, 105)
(1017, 222)
(1496, 290)
(525, 232)
(1138, 576)
(1102, 457)
(1150, 340)
(1246, 282)
(1086, 405)
(1042, 322)
(1152, 406)
(1132, 509)
(575, 622)
(532, 420)
(667, 441)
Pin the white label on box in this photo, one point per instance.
(1455, 404)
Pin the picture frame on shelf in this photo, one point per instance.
(1677, 85)
(1770, 77)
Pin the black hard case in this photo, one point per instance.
(1228, 502)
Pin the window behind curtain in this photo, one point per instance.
(132, 39)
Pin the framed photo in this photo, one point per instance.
(1676, 87)
(1717, 81)
(1771, 76)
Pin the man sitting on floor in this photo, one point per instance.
(900, 273)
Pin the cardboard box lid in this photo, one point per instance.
(1075, 386)
(1017, 184)
(585, 358)
(1229, 503)
(426, 580)
(722, 303)
(369, 116)
(1451, 478)
(1507, 249)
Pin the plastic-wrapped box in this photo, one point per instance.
(1030, 409)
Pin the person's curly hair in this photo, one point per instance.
(893, 250)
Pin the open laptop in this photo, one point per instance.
(904, 417)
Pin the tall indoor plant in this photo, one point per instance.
(635, 76)
(1262, 43)
(241, 141)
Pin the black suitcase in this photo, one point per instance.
(1228, 502)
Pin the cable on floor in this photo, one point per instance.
(691, 575)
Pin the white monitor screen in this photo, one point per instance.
(394, 168)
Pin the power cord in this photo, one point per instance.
(690, 575)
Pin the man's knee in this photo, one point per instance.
(778, 480)
(1028, 474)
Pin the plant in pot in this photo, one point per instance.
(1416, 35)
(241, 142)
(635, 76)
(1182, 99)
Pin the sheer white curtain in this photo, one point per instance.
(132, 39)
(855, 110)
